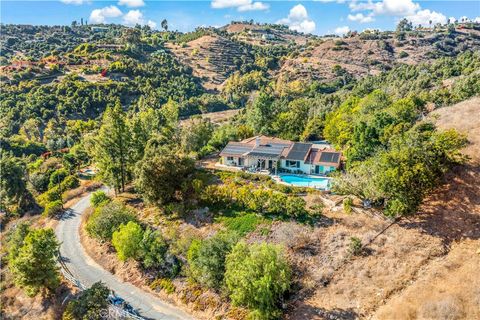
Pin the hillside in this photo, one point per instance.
(195, 136)
(265, 35)
(212, 58)
(370, 53)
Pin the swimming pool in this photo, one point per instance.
(306, 181)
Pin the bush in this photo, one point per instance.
(164, 284)
(206, 259)
(98, 198)
(89, 305)
(257, 277)
(153, 249)
(127, 241)
(70, 182)
(53, 208)
(52, 194)
(295, 206)
(107, 219)
(57, 177)
(347, 205)
(356, 246)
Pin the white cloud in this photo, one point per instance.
(477, 20)
(360, 17)
(298, 20)
(241, 5)
(75, 2)
(464, 19)
(131, 3)
(452, 19)
(152, 24)
(387, 7)
(424, 17)
(133, 17)
(327, 1)
(101, 15)
(253, 6)
(341, 30)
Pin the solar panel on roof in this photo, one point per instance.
(329, 157)
(236, 149)
(298, 151)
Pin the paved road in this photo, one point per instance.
(88, 271)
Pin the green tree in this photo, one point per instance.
(112, 146)
(196, 134)
(34, 268)
(107, 219)
(98, 198)
(257, 277)
(127, 241)
(162, 178)
(153, 249)
(259, 114)
(90, 305)
(164, 24)
(206, 259)
(13, 186)
(16, 238)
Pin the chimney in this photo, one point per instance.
(257, 141)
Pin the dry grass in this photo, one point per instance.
(464, 117)
(449, 289)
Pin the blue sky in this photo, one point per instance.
(318, 17)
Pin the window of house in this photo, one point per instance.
(292, 164)
(230, 158)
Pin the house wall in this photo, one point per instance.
(307, 168)
(226, 161)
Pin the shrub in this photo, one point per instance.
(98, 198)
(52, 194)
(153, 249)
(57, 177)
(257, 276)
(53, 208)
(164, 284)
(70, 182)
(89, 305)
(295, 206)
(356, 246)
(347, 205)
(107, 219)
(127, 241)
(403, 54)
(206, 259)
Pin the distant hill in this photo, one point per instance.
(213, 54)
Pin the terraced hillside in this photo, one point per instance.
(212, 57)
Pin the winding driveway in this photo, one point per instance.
(88, 271)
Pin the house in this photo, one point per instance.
(278, 155)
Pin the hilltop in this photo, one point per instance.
(214, 54)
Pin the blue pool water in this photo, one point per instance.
(306, 181)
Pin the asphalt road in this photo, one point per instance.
(88, 271)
